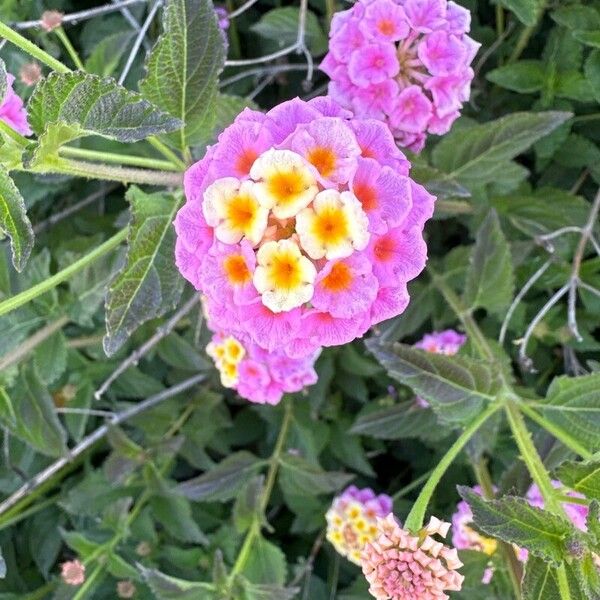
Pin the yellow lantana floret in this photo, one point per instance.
(286, 182)
(283, 276)
(233, 209)
(229, 373)
(233, 350)
(334, 226)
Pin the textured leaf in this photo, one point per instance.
(456, 387)
(165, 587)
(184, 66)
(540, 581)
(478, 155)
(490, 279)
(148, 285)
(525, 76)
(224, 481)
(14, 221)
(298, 476)
(573, 403)
(83, 104)
(266, 563)
(583, 477)
(514, 520)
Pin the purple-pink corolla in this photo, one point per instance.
(405, 62)
(12, 110)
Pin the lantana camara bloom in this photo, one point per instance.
(301, 227)
(405, 62)
(12, 110)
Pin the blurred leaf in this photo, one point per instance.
(527, 11)
(592, 72)
(175, 515)
(14, 221)
(247, 504)
(3, 80)
(577, 16)
(590, 38)
(50, 357)
(525, 76)
(583, 477)
(107, 55)
(148, 285)
(165, 587)
(266, 563)
(457, 387)
(79, 543)
(254, 591)
(490, 280)
(183, 68)
(298, 476)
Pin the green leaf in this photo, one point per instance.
(79, 543)
(165, 587)
(3, 80)
(490, 280)
(540, 581)
(148, 285)
(457, 387)
(66, 106)
(174, 513)
(247, 504)
(260, 591)
(50, 357)
(14, 221)
(525, 76)
(107, 55)
(479, 154)
(184, 66)
(527, 11)
(590, 38)
(224, 481)
(577, 16)
(592, 72)
(281, 24)
(514, 520)
(583, 477)
(118, 567)
(300, 477)
(266, 563)
(573, 404)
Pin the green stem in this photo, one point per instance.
(559, 433)
(121, 159)
(584, 118)
(18, 40)
(454, 207)
(563, 582)
(89, 582)
(565, 499)
(414, 521)
(15, 302)
(167, 153)
(499, 20)
(14, 135)
(526, 36)
(41, 592)
(62, 36)
(330, 11)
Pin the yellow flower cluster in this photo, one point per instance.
(227, 354)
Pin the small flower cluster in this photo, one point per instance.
(12, 110)
(405, 62)
(400, 565)
(72, 572)
(258, 375)
(352, 520)
(302, 227)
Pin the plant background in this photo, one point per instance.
(177, 488)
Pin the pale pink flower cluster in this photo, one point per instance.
(302, 227)
(72, 572)
(400, 565)
(352, 520)
(405, 62)
(258, 375)
(12, 110)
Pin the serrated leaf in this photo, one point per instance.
(583, 477)
(478, 155)
(266, 563)
(457, 387)
(184, 66)
(490, 279)
(224, 481)
(525, 76)
(165, 587)
(514, 520)
(66, 106)
(540, 581)
(148, 285)
(14, 221)
(298, 476)
(573, 403)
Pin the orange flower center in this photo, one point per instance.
(367, 152)
(385, 248)
(285, 272)
(367, 196)
(286, 186)
(241, 211)
(245, 161)
(331, 226)
(339, 278)
(386, 27)
(323, 159)
(236, 269)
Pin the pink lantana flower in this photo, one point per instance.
(301, 228)
(400, 565)
(12, 110)
(405, 62)
(72, 572)
(352, 520)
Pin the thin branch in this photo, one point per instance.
(488, 53)
(572, 309)
(242, 9)
(589, 288)
(118, 418)
(83, 14)
(137, 354)
(273, 70)
(138, 40)
(128, 16)
(90, 412)
(262, 59)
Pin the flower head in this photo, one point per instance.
(30, 73)
(72, 572)
(12, 110)
(406, 62)
(464, 537)
(301, 228)
(401, 566)
(126, 589)
(352, 520)
(577, 513)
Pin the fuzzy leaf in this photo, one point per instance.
(14, 221)
(583, 477)
(456, 387)
(184, 66)
(490, 279)
(540, 581)
(514, 520)
(479, 154)
(148, 285)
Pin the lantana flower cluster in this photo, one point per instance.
(400, 565)
(258, 375)
(352, 520)
(12, 110)
(405, 62)
(302, 227)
